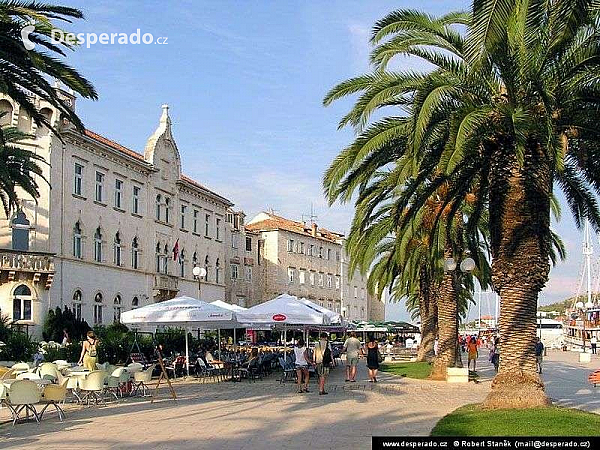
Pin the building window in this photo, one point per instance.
(248, 273)
(355, 292)
(99, 186)
(329, 281)
(301, 277)
(77, 304)
(98, 245)
(229, 218)
(218, 229)
(206, 267)
(183, 211)
(77, 240)
(236, 222)
(207, 225)
(158, 257)
(312, 278)
(22, 303)
(291, 275)
(234, 271)
(78, 187)
(320, 252)
(248, 244)
(195, 259)
(117, 309)
(234, 238)
(217, 271)
(337, 282)
(196, 212)
(158, 206)
(290, 245)
(311, 250)
(117, 250)
(302, 247)
(167, 210)
(182, 263)
(135, 302)
(241, 301)
(320, 280)
(165, 260)
(118, 193)
(136, 200)
(98, 309)
(328, 254)
(337, 255)
(135, 253)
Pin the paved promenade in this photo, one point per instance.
(261, 415)
(266, 414)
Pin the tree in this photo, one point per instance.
(24, 72)
(18, 168)
(514, 100)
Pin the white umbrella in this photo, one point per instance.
(183, 312)
(334, 318)
(230, 307)
(284, 309)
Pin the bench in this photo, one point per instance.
(594, 377)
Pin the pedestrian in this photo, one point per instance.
(89, 351)
(300, 352)
(472, 353)
(352, 349)
(372, 358)
(66, 339)
(594, 343)
(436, 346)
(322, 360)
(539, 354)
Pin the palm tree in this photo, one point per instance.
(515, 103)
(23, 72)
(18, 168)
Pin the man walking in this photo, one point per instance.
(594, 343)
(322, 359)
(539, 354)
(352, 349)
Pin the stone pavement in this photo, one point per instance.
(260, 415)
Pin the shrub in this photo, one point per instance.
(58, 320)
(18, 347)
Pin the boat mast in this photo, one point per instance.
(588, 251)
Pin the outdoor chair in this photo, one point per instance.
(7, 374)
(61, 364)
(141, 378)
(49, 371)
(28, 376)
(54, 395)
(135, 367)
(116, 383)
(73, 387)
(23, 395)
(204, 371)
(92, 386)
(21, 367)
(176, 367)
(288, 371)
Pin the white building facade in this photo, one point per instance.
(118, 229)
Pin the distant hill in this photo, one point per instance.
(561, 306)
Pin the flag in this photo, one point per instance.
(176, 250)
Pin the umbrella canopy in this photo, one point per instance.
(185, 312)
(284, 309)
(228, 306)
(334, 318)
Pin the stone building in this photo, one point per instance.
(119, 229)
(308, 261)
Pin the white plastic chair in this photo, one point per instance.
(117, 379)
(92, 386)
(21, 367)
(23, 395)
(28, 376)
(141, 378)
(49, 371)
(135, 367)
(54, 395)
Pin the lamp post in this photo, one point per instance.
(199, 273)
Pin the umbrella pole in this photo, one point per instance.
(284, 340)
(187, 354)
(234, 341)
(219, 337)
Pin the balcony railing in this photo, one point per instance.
(13, 260)
(166, 283)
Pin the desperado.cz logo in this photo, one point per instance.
(89, 39)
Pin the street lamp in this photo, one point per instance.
(199, 273)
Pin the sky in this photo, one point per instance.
(245, 83)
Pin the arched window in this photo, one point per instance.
(98, 245)
(135, 254)
(135, 302)
(43, 130)
(158, 257)
(217, 271)
(6, 112)
(158, 206)
(206, 267)
(20, 231)
(195, 259)
(117, 250)
(98, 309)
(167, 209)
(77, 304)
(24, 122)
(182, 263)
(165, 259)
(117, 309)
(21, 303)
(77, 240)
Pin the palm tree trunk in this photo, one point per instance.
(447, 326)
(520, 197)
(428, 313)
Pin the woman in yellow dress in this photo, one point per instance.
(89, 351)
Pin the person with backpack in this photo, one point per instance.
(89, 351)
(322, 360)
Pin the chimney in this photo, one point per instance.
(314, 230)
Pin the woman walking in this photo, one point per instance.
(300, 352)
(89, 351)
(372, 359)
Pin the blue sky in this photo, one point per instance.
(245, 81)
